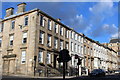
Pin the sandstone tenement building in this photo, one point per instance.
(115, 45)
(30, 42)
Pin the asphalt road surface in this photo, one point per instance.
(107, 77)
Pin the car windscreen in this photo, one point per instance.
(95, 70)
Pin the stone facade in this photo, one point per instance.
(75, 48)
(30, 43)
(114, 44)
(12, 54)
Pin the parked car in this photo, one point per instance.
(108, 72)
(117, 71)
(97, 72)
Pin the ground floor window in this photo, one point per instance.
(48, 58)
(40, 56)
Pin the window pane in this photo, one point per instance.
(11, 40)
(23, 58)
(41, 37)
(40, 57)
(67, 45)
(55, 43)
(11, 37)
(13, 25)
(61, 30)
(41, 20)
(61, 44)
(49, 41)
(56, 28)
(49, 24)
(26, 20)
(48, 58)
(24, 37)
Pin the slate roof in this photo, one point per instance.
(114, 40)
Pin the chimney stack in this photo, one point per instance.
(58, 19)
(9, 11)
(21, 7)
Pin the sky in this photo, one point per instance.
(97, 20)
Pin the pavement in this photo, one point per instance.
(24, 77)
(27, 76)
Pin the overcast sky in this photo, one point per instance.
(97, 20)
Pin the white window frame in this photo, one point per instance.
(40, 56)
(82, 39)
(56, 28)
(49, 24)
(48, 57)
(41, 37)
(25, 21)
(67, 34)
(76, 36)
(85, 49)
(61, 30)
(42, 20)
(75, 47)
(72, 61)
(12, 24)
(67, 45)
(81, 50)
(23, 57)
(55, 43)
(24, 36)
(11, 40)
(49, 41)
(61, 44)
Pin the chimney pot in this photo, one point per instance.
(9, 11)
(58, 19)
(21, 7)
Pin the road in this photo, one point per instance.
(107, 77)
